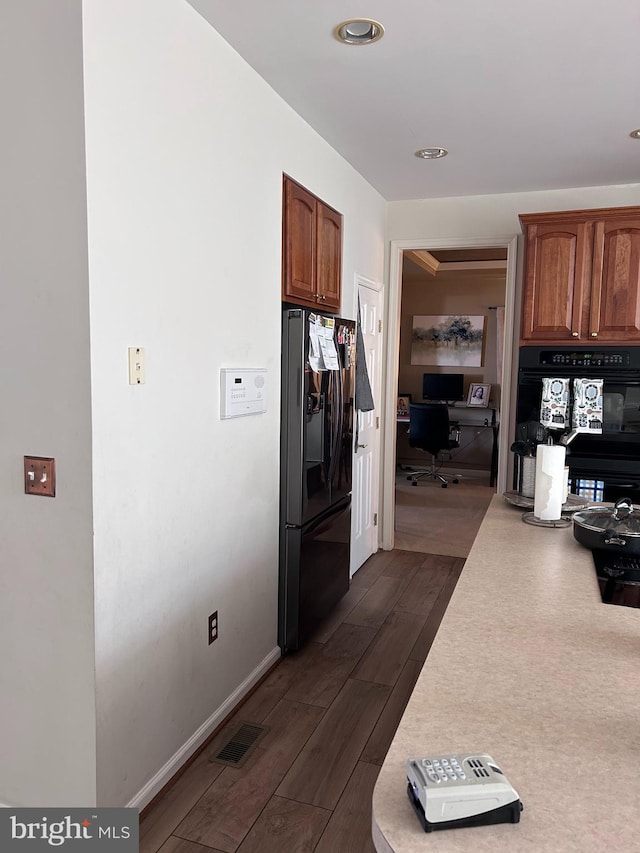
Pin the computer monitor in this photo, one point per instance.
(446, 387)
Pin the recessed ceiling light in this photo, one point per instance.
(635, 134)
(431, 153)
(359, 31)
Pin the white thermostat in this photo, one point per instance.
(242, 392)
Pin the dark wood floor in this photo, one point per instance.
(332, 710)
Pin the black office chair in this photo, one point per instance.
(431, 430)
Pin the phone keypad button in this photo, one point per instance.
(445, 770)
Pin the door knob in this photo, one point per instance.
(361, 445)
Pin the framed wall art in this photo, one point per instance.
(453, 340)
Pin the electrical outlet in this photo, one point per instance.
(213, 627)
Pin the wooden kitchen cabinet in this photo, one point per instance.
(615, 280)
(311, 250)
(581, 276)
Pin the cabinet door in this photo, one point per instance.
(299, 244)
(615, 285)
(557, 268)
(329, 265)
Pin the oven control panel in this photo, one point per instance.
(585, 358)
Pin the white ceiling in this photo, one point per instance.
(524, 95)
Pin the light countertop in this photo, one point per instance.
(532, 668)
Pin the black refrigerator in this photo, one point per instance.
(316, 448)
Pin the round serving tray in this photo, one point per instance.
(529, 518)
(573, 502)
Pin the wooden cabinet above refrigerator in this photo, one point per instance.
(311, 250)
(581, 276)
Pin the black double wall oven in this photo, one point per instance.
(612, 457)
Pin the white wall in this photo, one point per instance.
(488, 215)
(186, 146)
(47, 715)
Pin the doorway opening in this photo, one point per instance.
(438, 279)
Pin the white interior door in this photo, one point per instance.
(366, 463)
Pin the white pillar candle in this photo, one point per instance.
(549, 487)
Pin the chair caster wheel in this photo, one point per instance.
(456, 480)
(409, 477)
(444, 485)
(414, 483)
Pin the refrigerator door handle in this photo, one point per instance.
(336, 424)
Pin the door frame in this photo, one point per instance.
(397, 247)
(362, 281)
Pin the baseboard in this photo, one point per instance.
(157, 783)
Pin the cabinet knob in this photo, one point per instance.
(322, 298)
(594, 334)
(575, 334)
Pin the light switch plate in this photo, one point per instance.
(137, 366)
(40, 476)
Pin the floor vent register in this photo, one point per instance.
(241, 744)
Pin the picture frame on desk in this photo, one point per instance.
(479, 395)
(402, 407)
